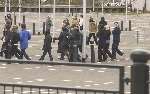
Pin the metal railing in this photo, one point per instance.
(120, 68)
(48, 89)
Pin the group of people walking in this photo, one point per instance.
(11, 37)
(70, 39)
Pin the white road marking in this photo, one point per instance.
(91, 69)
(88, 81)
(4, 64)
(29, 81)
(19, 82)
(27, 68)
(49, 66)
(78, 86)
(96, 84)
(37, 67)
(8, 90)
(127, 92)
(103, 68)
(51, 69)
(78, 70)
(66, 80)
(101, 71)
(17, 78)
(108, 83)
(3, 67)
(40, 80)
(87, 85)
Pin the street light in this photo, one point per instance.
(54, 18)
(19, 11)
(84, 29)
(39, 13)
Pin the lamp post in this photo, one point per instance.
(54, 18)
(93, 5)
(19, 11)
(5, 7)
(39, 13)
(9, 5)
(69, 6)
(84, 30)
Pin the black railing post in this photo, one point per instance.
(75, 53)
(24, 20)
(140, 72)
(43, 27)
(34, 29)
(130, 25)
(121, 25)
(15, 20)
(137, 37)
(92, 52)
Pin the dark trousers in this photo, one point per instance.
(74, 54)
(15, 51)
(44, 54)
(115, 50)
(23, 53)
(102, 56)
(106, 50)
(90, 36)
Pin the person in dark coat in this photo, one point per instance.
(49, 23)
(47, 46)
(116, 40)
(101, 35)
(6, 47)
(75, 40)
(14, 42)
(107, 34)
(63, 44)
(102, 22)
(8, 21)
(25, 36)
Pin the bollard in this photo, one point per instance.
(24, 19)
(43, 27)
(140, 72)
(15, 22)
(137, 37)
(75, 53)
(121, 25)
(92, 52)
(34, 29)
(130, 25)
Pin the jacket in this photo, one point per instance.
(24, 37)
(47, 42)
(92, 27)
(116, 35)
(15, 38)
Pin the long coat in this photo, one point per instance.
(47, 42)
(24, 37)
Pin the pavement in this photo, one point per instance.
(76, 77)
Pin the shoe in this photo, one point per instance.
(51, 59)
(61, 58)
(29, 59)
(41, 59)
